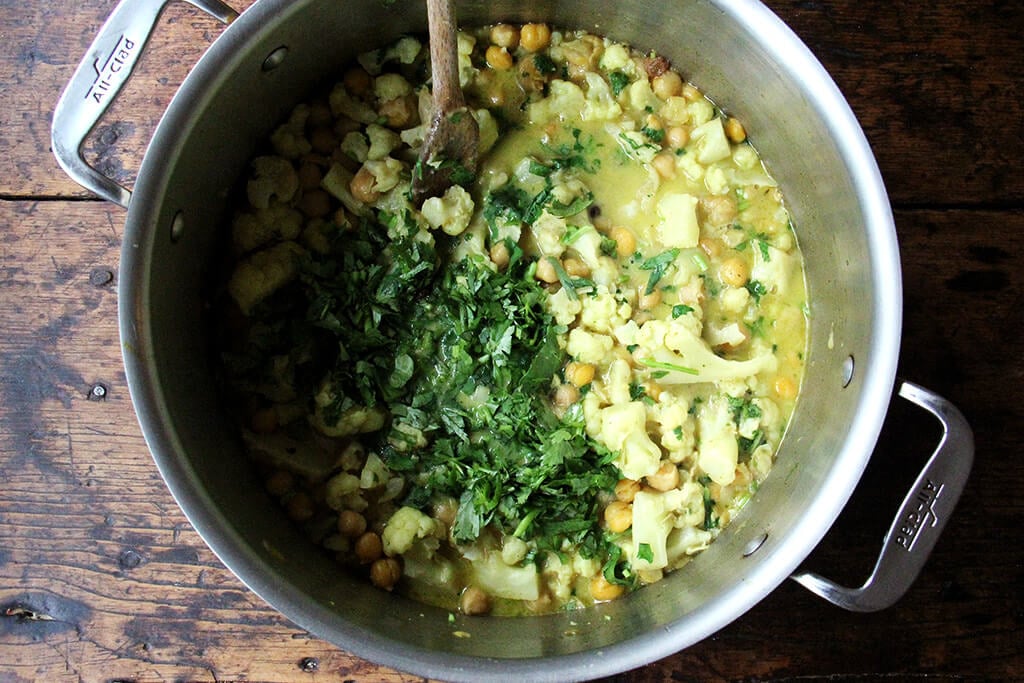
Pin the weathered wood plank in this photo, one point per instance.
(930, 82)
(90, 537)
(101, 576)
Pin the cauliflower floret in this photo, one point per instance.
(289, 139)
(602, 312)
(354, 419)
(616, 383)
(701, 111)
(355, 146)
(678, 227)
(451, 212)
(624, 429)
(565, 99)
(467, 72)
(271, 178)
(548, 231)
(587, 347)
(710, 142)
(675, 110)
(505, 581)
(563, 308)
(640, 98)
(719, 450)
(716, 180)
(616, 58)
(404, 528)
(383, 141)
(272, 224)
(263, 273)
(404, 51)
(488, 128)
(375, 473)
(776, 272)
(342, 103)
(337, 182)
(673, 343)
(388, 87)
(687, 540)
(676, 427)
(653, 521)
(338, 488)
(386, 172)
(601, 105)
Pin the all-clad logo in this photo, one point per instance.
(923, 513)
(107, 74)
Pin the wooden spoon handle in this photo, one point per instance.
(444, 61)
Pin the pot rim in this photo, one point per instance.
(876, 373)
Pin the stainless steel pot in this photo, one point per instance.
(737, 51)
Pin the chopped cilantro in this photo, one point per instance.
(658, 265)
(644, 552)
(545, 65)
(680, 310)
(673, 367)
(756, 289)
(618, 82)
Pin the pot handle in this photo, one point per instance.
(98, 79)
(920, 519)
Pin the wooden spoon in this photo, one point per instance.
(449, 152)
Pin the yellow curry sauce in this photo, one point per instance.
(551, 385)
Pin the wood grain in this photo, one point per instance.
(103, 579)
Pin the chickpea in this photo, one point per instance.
(734, 272)
(500, 255)
(668, 84)
(566, 395)
(665, 165)
(601, 590)
(691, 93)
(357, 82)
(309, 176)
(645, 301)
(315, 203)
(717, 209)
(300, 507)
(665, 479)
(785, 388)
(279, 483)
(369, 547)
(535, 37)
(626, 490)
(264, 421)
(385, 573)
(400, 112)
(498, 58)
(625, 242)
(474, 601)
(676, 137)
(711, 246)
(579, 374)
(734, 130)
(362, 186)
(576, 267)
(351, 524)
(618, 516)
(505, 35)
(546, 271)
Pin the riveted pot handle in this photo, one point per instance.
(920, 519)
(99, 78)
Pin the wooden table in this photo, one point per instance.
(102, 578)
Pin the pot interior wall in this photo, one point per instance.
(230, 103)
